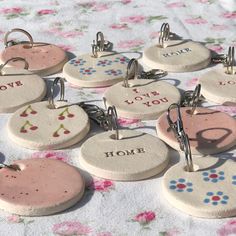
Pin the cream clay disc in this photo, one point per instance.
(218, 86)
(43, 59)
(134, 156)
(208, 192)
(143, 99)
(209, 131)
(177, 56)
(19, 87)
(40, 187)
(36, 126)
(88, 71)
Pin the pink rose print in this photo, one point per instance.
(196, 21)
(145, 217)
(13, 10)
(46, 12)
(126, 1)
(175, 5)
(66, 47)
(128, 122)
(100, 7)
(14, 219)
(205, 1)
(57, 155)
(119, 26)
(101, 185)
(65, 34)
(131, 44)
(154, 35)
(231, 110)
(228, 229)
(133, 19)
(229, 15)
(104, 234)
(170, 232)
(71, 228)
(216, 48)
(192, 82)
(216, 27)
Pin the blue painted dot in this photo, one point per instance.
(225, 197)
(214, 180)
(173, 182)
(223, 202)
(205, 173)
(180, 190)
(220, 193)
(213, 171)
(221, 172)
(172, 187)
(206, 179)
(210, 194)
(189, 184)
(221, 177)
(214, 203)
(189, 189)
(181, 180)
(206, 200)
(234, 177)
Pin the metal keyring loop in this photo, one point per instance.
(164, 33)
(99, 44)
(230, 61)
(14, 59)
(62, 92)
(131, 72)
(112, 120)
(21, 31)
(187, 152)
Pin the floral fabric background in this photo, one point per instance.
(111, 208)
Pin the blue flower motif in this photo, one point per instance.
(104, 63)
(113, 72)
(77, 62)
(122, 60)
(216, 198)
(87, 71)
(213, 176)
(234, 180)
(181, 185)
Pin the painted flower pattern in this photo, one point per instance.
(145, 217)
(104, 63)
(101, 185)
(216, 198)
(77, 62)
(181, 185)
(228, 229)
(87, 71)
(122, 60)
(57, 155)
(114, 72)
(213, 176)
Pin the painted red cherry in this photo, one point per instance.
(61, 117)
(23, 114)
(23, 131)
(33, 112)
(66, 132)
(56, 135)
(33, 127)
(70, 115)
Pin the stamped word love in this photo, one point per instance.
(14, 84)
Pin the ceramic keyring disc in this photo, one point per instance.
(19, 87)
(37, 126)
(209, 131)
(209, 191)
(143, 99)
(44, 59)
(177, 56)
(40, 187)
(134, 156)
(219, 86)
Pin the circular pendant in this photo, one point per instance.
(36, 126)
(209, 191)
(88, 71)
(209, 131)
(19, 87)
(218, 86)
(177, 56)
(40, 187)
(134, 156)
(44, 59)
(143, 99)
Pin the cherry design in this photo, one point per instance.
(27, 126)
(61, 127)
(29, 110)
(65, 113)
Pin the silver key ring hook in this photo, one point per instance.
(164, 33)
(112, 120)
(26, 66)
(131, 72)
(187, 152)
(153, 74)
(230, 61)
(62, 92)
(6, 42)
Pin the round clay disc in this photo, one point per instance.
(177, 56)
(41, 187)
(209, 191)
(218, 86)
(19, 87)
(134, 156)
(38, 127)
(144, 99)
(209, 131)
(87, 71)
(44, 59)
